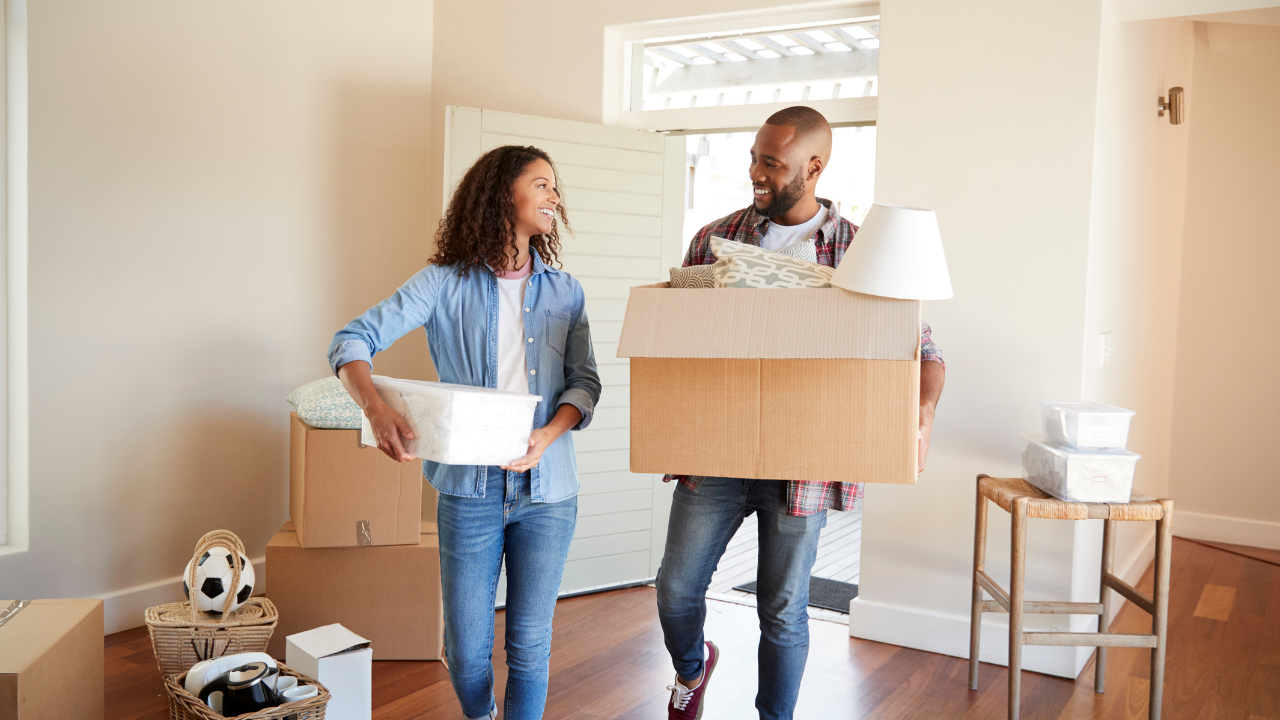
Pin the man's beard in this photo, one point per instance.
(786, 198)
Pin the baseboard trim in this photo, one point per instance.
(1219, 528)
(126, 609)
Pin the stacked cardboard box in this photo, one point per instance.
(357, 551)
(51, 659)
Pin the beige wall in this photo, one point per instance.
(215, 188)
(1135, 251)
(1223, 477)
(1006, 161)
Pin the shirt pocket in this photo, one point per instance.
(557, 332)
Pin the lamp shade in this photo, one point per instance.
(896, 253)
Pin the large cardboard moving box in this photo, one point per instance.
(389, 595)
(51, 660)
(776, 384)
(342, 494)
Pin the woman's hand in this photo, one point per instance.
(388, 426)
(539, 441)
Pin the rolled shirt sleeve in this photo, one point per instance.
(410, 307)
(928, 350)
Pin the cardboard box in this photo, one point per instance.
(777, 384)
(342, 494)
(388, 594)
(343, 662)
(51, 660)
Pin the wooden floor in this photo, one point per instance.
(608, 663)
(839, 553)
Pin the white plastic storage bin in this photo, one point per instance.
(1096, 476)
(1087, 426)
(458, 424)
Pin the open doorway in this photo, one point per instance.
(717, 185)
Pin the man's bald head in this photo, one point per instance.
(811, 129)
(790, 152)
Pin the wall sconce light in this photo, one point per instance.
(1175, 106)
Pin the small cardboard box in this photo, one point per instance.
(342, 494)
(51, 660)
(343, 662)
(775, 384)
(388, 594)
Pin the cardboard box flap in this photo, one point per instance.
(735, 323)
(327, 641)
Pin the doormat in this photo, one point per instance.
(823, 593)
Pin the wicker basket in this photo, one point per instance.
(185, 706)
(183, 636)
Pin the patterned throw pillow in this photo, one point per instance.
(807, 251)
(697, 276)
(326, 404)
(746, 266)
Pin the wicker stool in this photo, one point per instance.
(1023, 500)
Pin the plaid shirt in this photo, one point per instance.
(832, 239)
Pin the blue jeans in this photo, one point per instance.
(475, 533)
(700, 527)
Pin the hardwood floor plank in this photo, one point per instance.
(1215, 602)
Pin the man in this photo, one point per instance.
(790, 152)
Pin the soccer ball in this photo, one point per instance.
(213, 580)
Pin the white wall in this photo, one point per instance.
(1223, 479)
(215, 188)
(1135, 253)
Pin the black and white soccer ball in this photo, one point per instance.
(213, 580)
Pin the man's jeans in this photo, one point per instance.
(700, 527)
(475, 533)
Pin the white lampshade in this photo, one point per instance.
(896, 253)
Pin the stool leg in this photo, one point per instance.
(1108, 563)
(979, 563)
(1016, 581)
(1160, 598)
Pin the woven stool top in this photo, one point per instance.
(1003, 491)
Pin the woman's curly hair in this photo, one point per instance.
(479, 227)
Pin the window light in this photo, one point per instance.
(859, 32)
(873, 43)
(837, 47)
(801, 50)
(734, 57)
(784, 40)
(767, 53)
(684, 51)
(700, 60)
(749, 44)
(716, 47)
(821, 36)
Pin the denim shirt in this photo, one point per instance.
(460, 316)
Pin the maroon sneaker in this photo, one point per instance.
(686, 704)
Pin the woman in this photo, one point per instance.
(496, 315)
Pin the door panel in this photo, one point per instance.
(624, 192)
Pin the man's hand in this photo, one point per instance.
(388, 426)
(926, 427)
(539, 441)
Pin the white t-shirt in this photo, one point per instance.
(512, 374)
(778, 236)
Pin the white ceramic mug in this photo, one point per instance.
(300, 692)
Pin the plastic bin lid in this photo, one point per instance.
(1047, 443)
(1083, 408)
(439, 389)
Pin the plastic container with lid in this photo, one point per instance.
(1095, 476)
(1086, 425)
(458, 424)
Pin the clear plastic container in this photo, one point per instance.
(458, 424)
(1085, 425)
(1095, 476)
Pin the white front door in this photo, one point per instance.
(624, 194)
